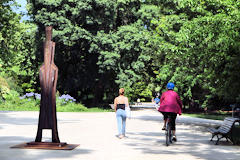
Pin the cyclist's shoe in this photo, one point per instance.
(174, 138)
(164, 128)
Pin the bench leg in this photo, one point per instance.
(227, 139)
(230, 140)
(217, 140)
(213, 135)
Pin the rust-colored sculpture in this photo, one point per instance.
(48, 75)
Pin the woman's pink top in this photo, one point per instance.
(170, 102)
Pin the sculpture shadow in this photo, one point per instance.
(38, 154)
(10, 119)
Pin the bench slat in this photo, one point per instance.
(227, 125)
(229, 122)
(213, 130)
(225, 128)
(231, 119)
(224, 131)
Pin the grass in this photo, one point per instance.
(74, 107)
(18, 108)
(214, 116)
(59, 109)
(33, 105)
(95, 109)
(16, 103)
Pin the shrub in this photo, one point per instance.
(64, 99)
(4, 89)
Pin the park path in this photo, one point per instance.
(95, 132)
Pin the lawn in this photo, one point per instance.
(215, 115)
(60, 108)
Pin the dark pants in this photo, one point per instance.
(172, 117)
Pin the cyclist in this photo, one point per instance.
(170, 106)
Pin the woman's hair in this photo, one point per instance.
(121, 91)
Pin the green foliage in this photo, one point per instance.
(4, 91)
(71, 107)
(28, 68)
(8, 90)
(199, 45)
(102, 45)
(139, 90)
(3, 82)
(128, 59)
(16, 47)
(214, 116)
(14, 103)
(99, 46)
(10, 38)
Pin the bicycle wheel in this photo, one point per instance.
(170, 133)
(167, 134)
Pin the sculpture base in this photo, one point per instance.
(46, 145)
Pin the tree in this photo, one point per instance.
(14, 46)
(9, 35)
(199, 46)
(82, 29)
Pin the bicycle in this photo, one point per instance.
(168, 131)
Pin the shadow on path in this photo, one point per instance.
(188, 143)
(193, 140)
(29, 154)
(10, 119)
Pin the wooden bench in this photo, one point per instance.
(224, 131)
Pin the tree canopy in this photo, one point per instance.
(141, 45)
(200, 46)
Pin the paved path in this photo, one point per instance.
(95, 132)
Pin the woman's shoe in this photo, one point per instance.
(174, 138)
(121, 136)
(164, 128)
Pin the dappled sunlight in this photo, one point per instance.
(193, 140)
(96, 134)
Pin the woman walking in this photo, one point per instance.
(120, 103)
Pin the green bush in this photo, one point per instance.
(31, 102)
(72, 107)
(9, 90)
(13, 102)
(4, 89)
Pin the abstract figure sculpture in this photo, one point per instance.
(48, 75)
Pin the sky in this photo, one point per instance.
(23, 9)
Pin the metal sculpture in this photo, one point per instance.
(48, 75)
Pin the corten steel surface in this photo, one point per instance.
(48, 75)
(46, 145)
